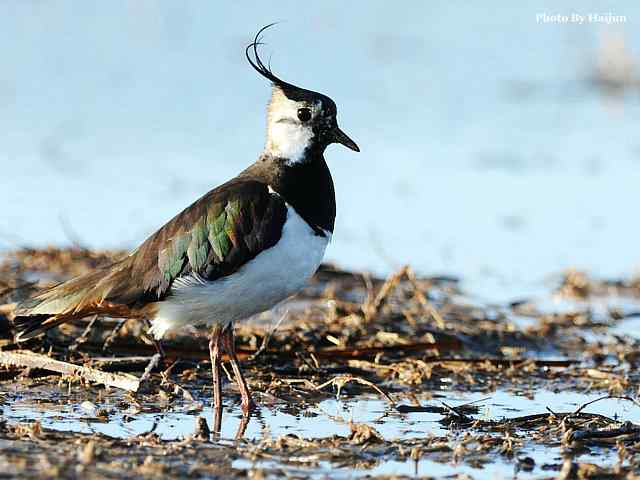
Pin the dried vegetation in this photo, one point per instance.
(405, 340)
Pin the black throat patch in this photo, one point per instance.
(305, 185)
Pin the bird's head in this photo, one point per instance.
(298, 119)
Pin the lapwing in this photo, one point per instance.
(242, 248)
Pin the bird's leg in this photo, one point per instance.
(214, 353)
(159, 349)
(156, 361)
(156, 343)
(228, 341)
(242, 426)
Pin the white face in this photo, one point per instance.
(288, 135)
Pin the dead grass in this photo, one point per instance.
(398, 338)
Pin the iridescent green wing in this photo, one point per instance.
(212, 238)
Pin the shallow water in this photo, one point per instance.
(61, 409)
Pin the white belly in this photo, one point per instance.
(269, 278)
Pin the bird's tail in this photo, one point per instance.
(72, 299)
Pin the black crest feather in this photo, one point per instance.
(292, 92)
(259, 66)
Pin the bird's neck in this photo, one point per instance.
(306, 185)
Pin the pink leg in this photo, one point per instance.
(214, 353)
(228, 341)
(242, 427)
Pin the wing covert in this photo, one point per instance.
(213, 237)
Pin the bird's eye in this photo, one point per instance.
(304, 114)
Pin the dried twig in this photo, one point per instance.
(85, 334)
(455, 412)
(342, 380)
(505, 362)
(153, 363)
(441, 344)
(34, 360)
(114, 333)
(626, 432)
(606, 397)
(197, 350)
(120, 364)
(267, 338)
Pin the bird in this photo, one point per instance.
(240, 249)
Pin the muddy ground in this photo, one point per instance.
(358, 376)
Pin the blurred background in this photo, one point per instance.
(495, 147)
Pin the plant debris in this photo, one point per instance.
(411, 346)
